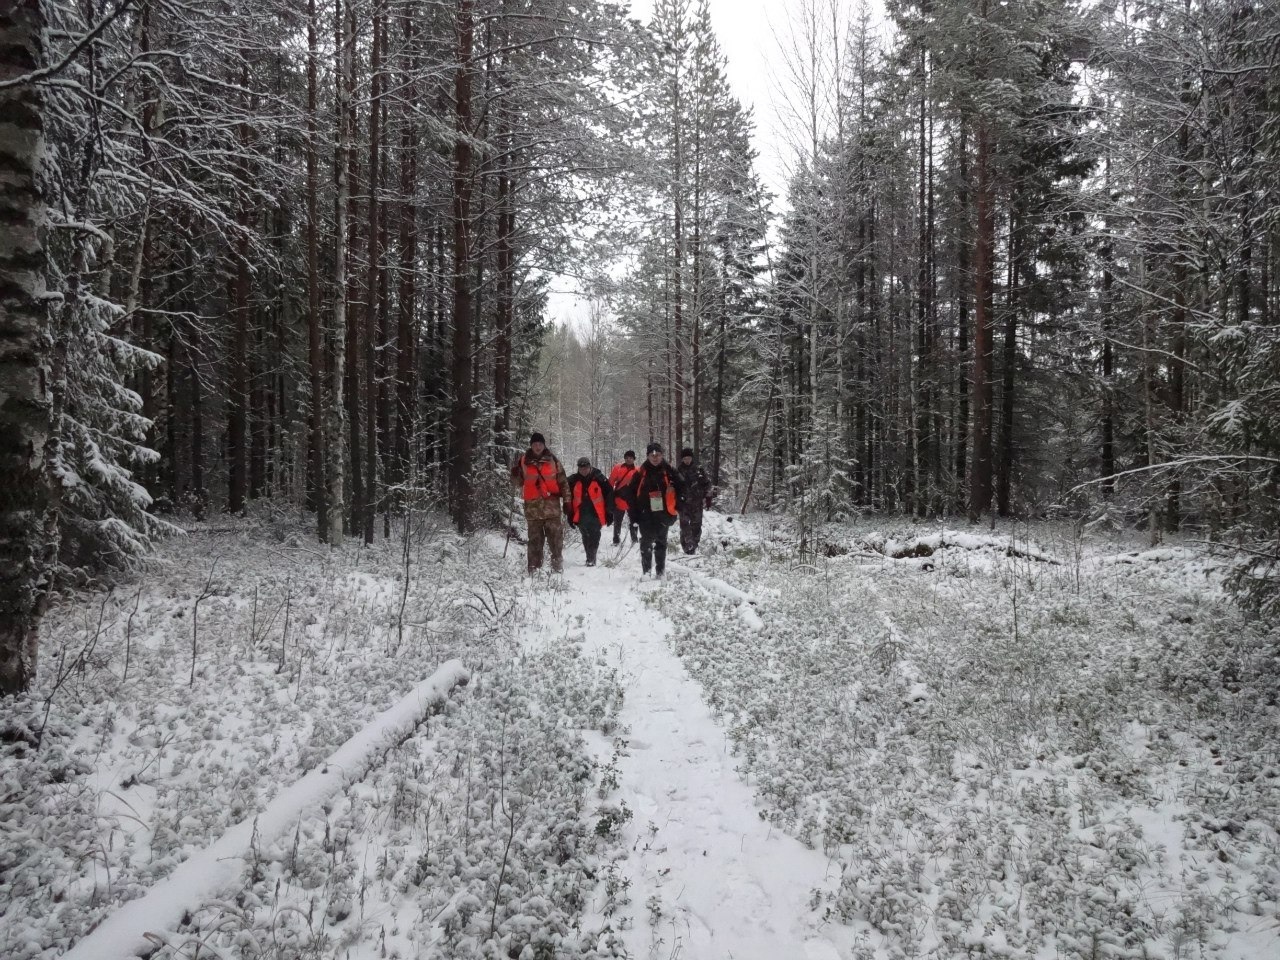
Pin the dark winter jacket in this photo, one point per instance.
(660, 480)
(695, 487)
(586, 514)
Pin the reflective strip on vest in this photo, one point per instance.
(621, 475)
(597, 500)
(540, 479)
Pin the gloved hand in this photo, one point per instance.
(572, 525)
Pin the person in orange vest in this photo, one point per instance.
(588, 506)
(619, 477)
(654, 495)
(540, 478)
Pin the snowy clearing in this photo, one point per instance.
(852, 757)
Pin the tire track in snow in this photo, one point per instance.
(708, 878)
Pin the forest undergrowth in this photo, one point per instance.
(180, 703)
(1020, 743)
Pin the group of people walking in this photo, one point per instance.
(649, 497)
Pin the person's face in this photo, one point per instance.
(584, 470)
(686, 460)
(630, 461)
(656, 457)
(537, 447)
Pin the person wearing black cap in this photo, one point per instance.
(619, 478)
(654, 493)
(588, 506)
(695, 493)
(541, 480)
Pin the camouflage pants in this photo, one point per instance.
(691, 528)
(550, 530)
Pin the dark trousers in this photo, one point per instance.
(690, 529)
(590, 540)
(653, 546)
(618, 517)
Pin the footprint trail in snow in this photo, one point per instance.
(708, 878)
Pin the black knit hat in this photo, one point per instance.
(584, 461)
(630, 453)
(536, 437)
(686, 452)
(654, 447)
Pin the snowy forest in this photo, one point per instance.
(977, 654)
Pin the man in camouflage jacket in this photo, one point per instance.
(540, 478)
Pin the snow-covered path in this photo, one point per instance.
(708, 877)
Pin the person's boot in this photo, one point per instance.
(591, 558)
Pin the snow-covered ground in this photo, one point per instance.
(919, 741)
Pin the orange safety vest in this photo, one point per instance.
(621, 475)
(670, 495)
(540, 479)
(596, 496)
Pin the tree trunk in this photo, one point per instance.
(504, 316)
(677, 279)
(721, 353)
(922, 398)
(317, 484)
(983, 299)
(372, 283)
(238, 413)
(1008, 372)
(24, 364)
(462, 414)
(352, 292)
(1108, 451)
(963, 374)
(407, 296)
(336, 411)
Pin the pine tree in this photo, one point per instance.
(25, 535)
